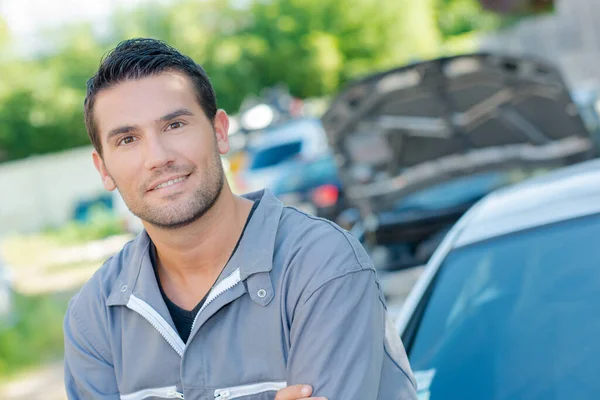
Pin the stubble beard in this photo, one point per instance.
(180, 215)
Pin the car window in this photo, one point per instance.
(515, 318)
(274, 155)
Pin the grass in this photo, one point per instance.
(17, 249)
(101, 224)
(36, 334)
(58, 268)
(26, 250)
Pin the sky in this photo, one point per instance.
(26, 17)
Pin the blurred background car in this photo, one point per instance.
(313, 186)
(417, 146)
(506, 307)
(274, 153)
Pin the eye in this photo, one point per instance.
(175, 125)
(126, 140)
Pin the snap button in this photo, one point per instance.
(123, 288)
(262, 293)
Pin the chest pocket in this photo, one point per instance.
(257, 391)
(170, 392)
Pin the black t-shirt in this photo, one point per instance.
(184, 319)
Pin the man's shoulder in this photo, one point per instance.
(319, 246)
(94, 293)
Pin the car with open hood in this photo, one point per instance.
(417, 146)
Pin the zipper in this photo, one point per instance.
(165, 393)
(248, 390)
(223, 286)
(157, 321)
(167, 332)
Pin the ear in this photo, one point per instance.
(221, 126)
(107, 180)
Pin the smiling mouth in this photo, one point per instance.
(170, 183)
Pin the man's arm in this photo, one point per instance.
(337, 339)
(88, 374)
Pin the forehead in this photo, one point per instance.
(142, 101)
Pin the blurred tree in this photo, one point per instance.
(41, 99)
(312, 46)
(458, 17)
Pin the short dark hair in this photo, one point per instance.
(139, 58)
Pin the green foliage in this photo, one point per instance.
(101, 224)
(312, 46)
(41, 100)
(36, 335)
(458, 17)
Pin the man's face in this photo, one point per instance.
(159, 148)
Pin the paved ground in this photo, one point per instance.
(46, 383)
(81, 261)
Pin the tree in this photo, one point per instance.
(311, 46)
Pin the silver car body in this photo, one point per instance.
(568, 193)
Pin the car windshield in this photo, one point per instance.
(274, 155)
(514, 317)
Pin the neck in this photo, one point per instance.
(202, 248)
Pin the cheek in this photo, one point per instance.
(196, 148)
(126, 172)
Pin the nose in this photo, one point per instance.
(156, 153)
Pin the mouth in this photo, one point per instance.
(169, 183)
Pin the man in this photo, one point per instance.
(222, 296)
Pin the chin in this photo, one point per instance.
(175, 223)
(175, 216)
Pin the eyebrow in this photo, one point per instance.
(130, 128)
(120, 130)
(175, 114)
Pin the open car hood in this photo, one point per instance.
(406, 129)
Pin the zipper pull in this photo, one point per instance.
(175, 395)
(222, 394)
